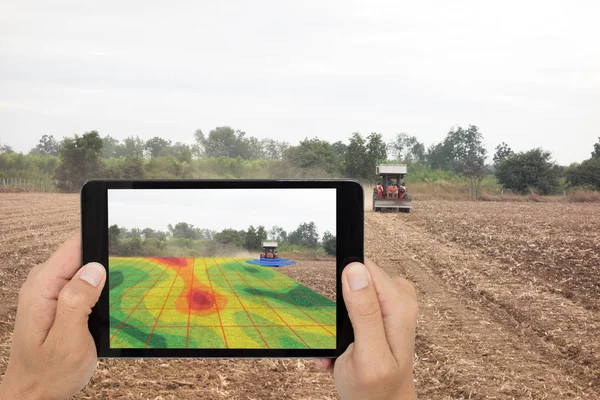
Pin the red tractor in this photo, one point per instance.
(269, 251)
(390, 194)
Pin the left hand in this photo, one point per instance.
(53, 355)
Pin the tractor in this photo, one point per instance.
(269, 257)
(390, 193)
(269, 251)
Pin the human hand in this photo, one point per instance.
(383, 311)
(53, 355)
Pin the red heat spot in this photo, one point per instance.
(173, 261)
(200, 299)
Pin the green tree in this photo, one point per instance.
(306, 235)
(109, 146)
(459, 148)
(261, 232)
(269, 149)
(46, 146)
(408, 149)
(181, 151)
(585, 174)
(165, 168)
(313, 154)
(183, 230)
(278, 234)
(356, 157)
(531, 170)
(439, 154)
(133, 168)
(131, 146)
(6, 149)
(223, 141)
(329, 243)
(198, 146)
(150, 233)
(79, 160)
(473, 158)
(503, 151)
(156, 146)
(230, 237)
(376, 153)
(340, 149)
(131, 247)
(252, 240)
(596, 152)
(114, 233)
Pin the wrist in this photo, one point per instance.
(10, 390)
(408, 391)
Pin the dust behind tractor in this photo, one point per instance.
(269, 257)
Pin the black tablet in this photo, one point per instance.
(222, 268)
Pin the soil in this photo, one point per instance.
(508, 295)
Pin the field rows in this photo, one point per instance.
(213, 303)
(508, 299)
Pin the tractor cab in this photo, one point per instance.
(390, 192)
(391, 185)
(269, 251)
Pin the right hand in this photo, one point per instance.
(384, 312)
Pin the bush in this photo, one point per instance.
(583, 195)
(27, 166)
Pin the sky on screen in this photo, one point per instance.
(219, 209)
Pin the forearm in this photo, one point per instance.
(17, 390)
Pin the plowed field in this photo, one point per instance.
(508, 294)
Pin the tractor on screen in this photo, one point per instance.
(269, 257)
(390, 194)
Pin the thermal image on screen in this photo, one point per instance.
(199, 272)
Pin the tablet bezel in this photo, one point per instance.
(94, 231)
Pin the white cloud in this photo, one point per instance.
(527, 73)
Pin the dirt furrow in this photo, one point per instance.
(20, 218)
(502, 357)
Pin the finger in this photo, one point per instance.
(54, 274)
(325, 364)
(399, 309)
(66, 261)
(75, 303)
(364, 311)
(406, 287)
(37, 297)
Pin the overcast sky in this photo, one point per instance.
(219, 209)
(525, 72)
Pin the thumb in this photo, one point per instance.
(364, 311)
(76, 299)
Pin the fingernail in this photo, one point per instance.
(92, 273)
(358, 277)
(319, 362)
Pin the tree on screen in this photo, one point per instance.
(329, 243)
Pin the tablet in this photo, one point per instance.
(222, 268)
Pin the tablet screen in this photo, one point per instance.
(222, 268)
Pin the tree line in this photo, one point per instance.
(186, 240)
(228, 153)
